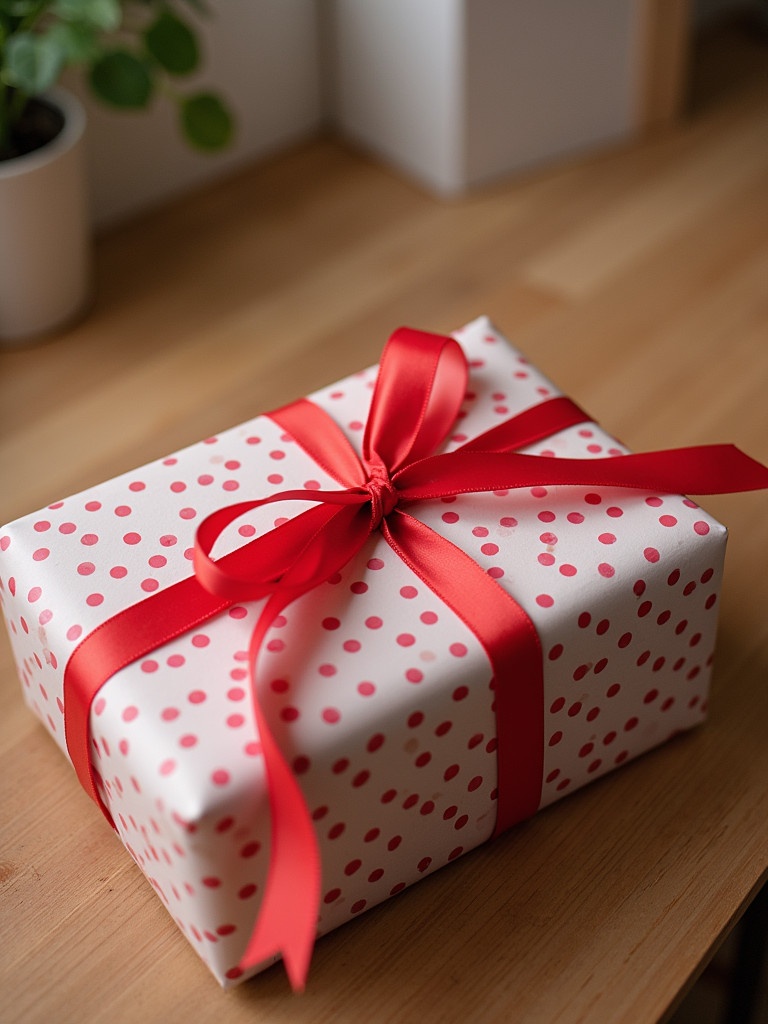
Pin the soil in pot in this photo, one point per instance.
(38, 125)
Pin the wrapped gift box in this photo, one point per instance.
(380, 695)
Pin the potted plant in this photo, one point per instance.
(130, 51)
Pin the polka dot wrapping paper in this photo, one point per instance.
(379, 694)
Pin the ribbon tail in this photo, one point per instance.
(287, 919)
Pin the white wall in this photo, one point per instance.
(263, 55)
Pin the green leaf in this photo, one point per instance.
(33, 62)
(122, 80)
(206, 122)
(103, 14)
(172, 44)
(78, 42)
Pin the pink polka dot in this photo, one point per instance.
(414, 675)
(351, 646)
(187, 513)
(169, 714)
(150, 665)
(548, 538)
(40, 527)
(200, 640)
(606, 570)
(546, 559)
(545, 600)
(41, 554)
(607, 538)
(374, 622)
(74, 632)
(450, 517)
(331, 715)
(130, 713)
(508, 521)
(188, 740)
(490, 549)
(458, 650)
(495, 572)
(131, 538)
(89, 539)
(118, 572)
(197, 697)
(167, 767)
(86, 568)
(366, 689)
(168, 540)
(67, 528)
(220, 777)
(375, 563)
(94, 600)
(614, 512)
(275, 478)
(149, 585)
(123, 510)
(238, 612)
(568, 570)
(668, 520)
(575, 517)
(406, 639)
(547, 517)
(480, 531)
(701, 528)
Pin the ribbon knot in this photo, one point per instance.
(382, 493)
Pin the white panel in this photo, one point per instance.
(546, 78)
(398, 83)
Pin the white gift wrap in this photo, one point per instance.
(379, 694)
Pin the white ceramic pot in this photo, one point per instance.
(45, 244)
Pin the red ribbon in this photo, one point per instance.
(419, 390)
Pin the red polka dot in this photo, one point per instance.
(545, 600)
(375, 563)
(406, 639)
(592, 499)
(220, 777)
(508, 521)
(568, 570)
(701, 528)
(668, 520)
(489, 549)
(607, 538)
(555, 652)
(250, 849)
(374, 622)
(546, 559)
(414, 675)
(575, 517)
(450, 517)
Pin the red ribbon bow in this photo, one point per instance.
(419, 390)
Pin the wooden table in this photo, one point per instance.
(638, 282)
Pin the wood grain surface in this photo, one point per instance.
(638, 282)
